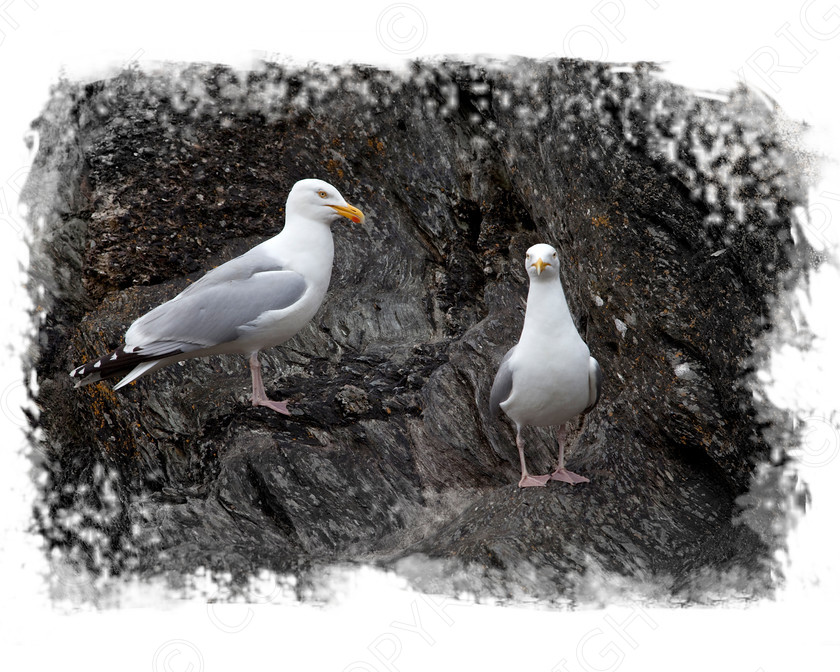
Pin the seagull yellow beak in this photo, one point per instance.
(353, 214)
(540, 265)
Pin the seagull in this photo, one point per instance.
(257, 300)
(548, 377)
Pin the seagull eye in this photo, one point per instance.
(322, 193)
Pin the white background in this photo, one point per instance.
(789, 50)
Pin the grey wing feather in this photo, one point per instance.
(239, 268)
(210, 313)
(596, 380)
(502, 384)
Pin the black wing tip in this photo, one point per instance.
(92, 372)
(80, 380)
(120, 362)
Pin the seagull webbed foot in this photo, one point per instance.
(568, 476)
(528, 481)
(279, 406)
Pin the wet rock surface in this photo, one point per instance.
(673, 215)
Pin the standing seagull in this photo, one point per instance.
(548, 377)
(250, 303)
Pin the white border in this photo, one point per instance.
(379, 624)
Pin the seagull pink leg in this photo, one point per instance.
(258, 396)
(561, 473)
(527, 480)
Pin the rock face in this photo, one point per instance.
(673, 216)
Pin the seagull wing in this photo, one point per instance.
(215, 313)
(502, 384)
(596, 380)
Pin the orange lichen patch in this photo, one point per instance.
(101, 398)
(334, 168)
(376, 144)
(101, 405)
(601, 220)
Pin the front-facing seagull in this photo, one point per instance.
(548, 377)
(257, 300)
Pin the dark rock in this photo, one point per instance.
(673, 214)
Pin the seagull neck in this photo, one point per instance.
(547, 301)
(305, 240)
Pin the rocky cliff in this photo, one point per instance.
(673, 216)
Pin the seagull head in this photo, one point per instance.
(320, 201)
(541, 262)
